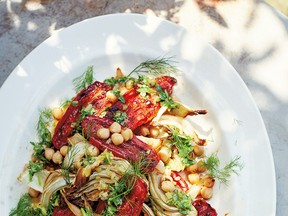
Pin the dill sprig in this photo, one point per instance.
(118, 191)
(212, 163)
(43, 132)
(84, 79)
(140, 166)
(65, 168)
(156, 67)
(25, 207)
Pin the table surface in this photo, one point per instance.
(250, 34)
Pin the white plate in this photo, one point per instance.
(107, 42)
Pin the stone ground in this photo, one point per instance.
(249, 33)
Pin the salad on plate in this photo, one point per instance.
(122, 146)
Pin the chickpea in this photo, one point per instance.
(78, 164)
(49, 152)
(154, 132)
(206, 193)
(164, 154)
(144, 131)
(111, 96)
(117, 138)
(167, 186)
(115, 127)
(198, 150)
(57, 157)
(125, 107)
(194, 178)
(201, 167)
(57, 113)
(192, 168)
(103, 133)
(93, 150)
(33, 159)
(127, 134)
(64, 150)
(119, 73)
(129, 84)
(208, 181)
(33, 193)
(123, 90)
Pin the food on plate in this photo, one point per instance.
(123, 146)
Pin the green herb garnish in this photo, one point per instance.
(165, 98)
(88, 159)
(212, 164)
(180, 200)
(156, 67)
(43, 132)
(25, 208)
(113, 81)
(118, 191)
(39, 151)
(120, 117)
(84, 80)
(120, 97)
(86, 211)
(54, 201)
(34, 167)
(88, 110)
(183, 145)
(65, 168)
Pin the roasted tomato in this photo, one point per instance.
(204, 208)
(139, 109)
(94, 94)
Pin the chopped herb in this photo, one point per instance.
(180, 200)
(120, 97)
(86, 211)
(88, 110)
(34, 167)
(183, 145)
(74, 103)
(144, 90)
(111, 81)
(147, 81)
(39, 151)
(66, 103)
(212, 163)
(107, 159)
(165, 98)
(43, 132)
(84, 80)
(88, 159)
(25, 207)
(120, 117)
(54, 201)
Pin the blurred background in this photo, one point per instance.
(281, 5)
